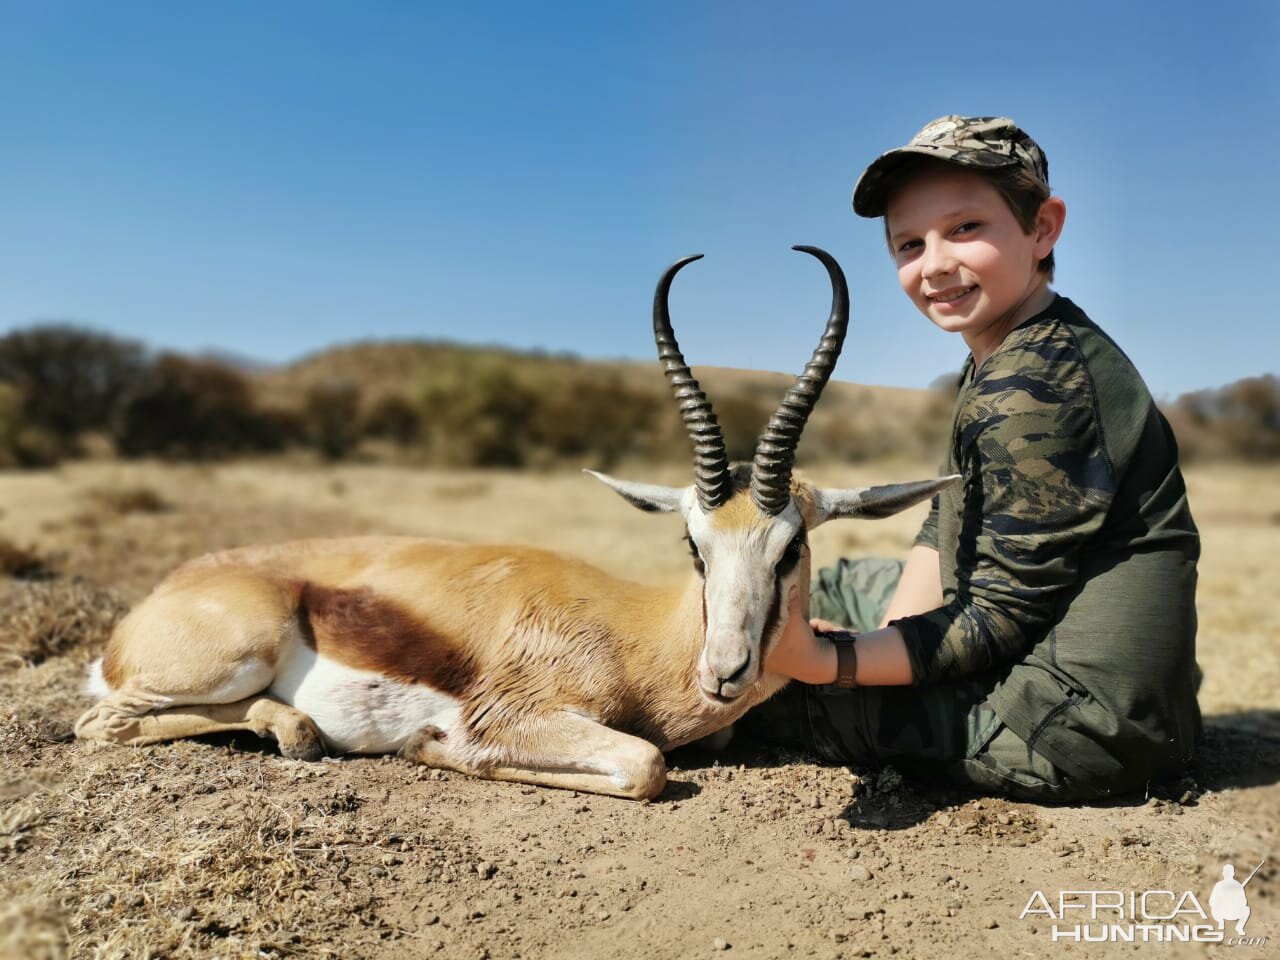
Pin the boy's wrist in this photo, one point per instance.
(842, 658)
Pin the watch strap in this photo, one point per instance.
(846, 656)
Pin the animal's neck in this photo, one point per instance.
(667, 705)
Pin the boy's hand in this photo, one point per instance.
(800, 654)
(817, 623)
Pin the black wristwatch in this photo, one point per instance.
(846, 655)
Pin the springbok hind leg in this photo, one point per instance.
(564, 750)
(137, 721)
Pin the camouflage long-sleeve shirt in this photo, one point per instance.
(1067, 554)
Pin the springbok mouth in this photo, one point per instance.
(718, 698)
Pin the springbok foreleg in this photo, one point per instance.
(136, 721)
(564, 750)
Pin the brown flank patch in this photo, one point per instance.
(362, 630)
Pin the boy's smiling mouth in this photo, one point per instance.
(951, 295)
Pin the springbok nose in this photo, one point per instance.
(726, 676)
(736, 673)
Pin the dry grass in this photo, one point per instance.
(200, 849)
(55, 618)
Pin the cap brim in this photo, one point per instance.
(871, 193)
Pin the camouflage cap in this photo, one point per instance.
(986, 143)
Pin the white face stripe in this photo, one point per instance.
(741, 589)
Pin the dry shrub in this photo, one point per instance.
(43, 620)
(183, 408)
(393, 418)
(69, 379)
(23, 563)
(1240, 421)
(331, 415)
(125, 500)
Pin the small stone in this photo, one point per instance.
(186, 913)
(815, 802)
(431, 919)
(486, 869)
(860, 873)
(991, 924)
(838, 936)
(602, 916)
(720, 943)
(105, 901)
(943, 819)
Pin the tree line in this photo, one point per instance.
(64, 388)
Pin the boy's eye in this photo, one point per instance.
(908, 246)
(968, 226)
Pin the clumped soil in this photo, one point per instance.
(221, 848)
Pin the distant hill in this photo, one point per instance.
(399, 367)
(596, 402)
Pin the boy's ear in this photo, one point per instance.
(1049, 223)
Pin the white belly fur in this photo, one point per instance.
(359, 711)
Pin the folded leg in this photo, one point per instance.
(564, 750)
(138, 720)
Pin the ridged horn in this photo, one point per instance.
(710, 461)
(776, 449)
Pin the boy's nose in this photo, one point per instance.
(937, 262)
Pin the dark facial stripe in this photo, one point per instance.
(771, 619)
(791, 556)
(360, 629)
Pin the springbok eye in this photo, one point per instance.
(698, 562)
(791, 556)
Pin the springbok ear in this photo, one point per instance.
(649, 497)
(875, 502)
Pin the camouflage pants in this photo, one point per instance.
(944, 732)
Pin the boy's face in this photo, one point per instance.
(962, 256)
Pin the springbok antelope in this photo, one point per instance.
(510, 663)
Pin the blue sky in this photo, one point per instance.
(268, 179)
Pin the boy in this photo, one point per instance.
(1046, 614)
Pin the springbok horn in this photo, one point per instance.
(776, 449)
(710, 460)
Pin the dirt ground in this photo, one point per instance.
(221, 848)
